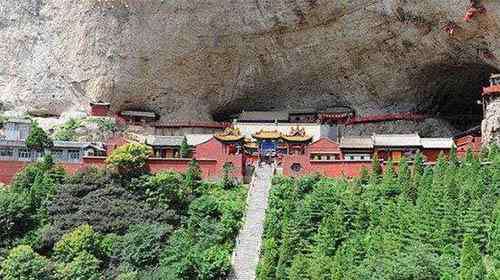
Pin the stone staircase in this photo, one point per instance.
(246, 254)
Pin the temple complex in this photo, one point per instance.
(299, 142)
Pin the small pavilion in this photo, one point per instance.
(232, 139)
(296, 141)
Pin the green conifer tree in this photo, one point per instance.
(494, 238)
(418, 167)
(471, 262)
(185, 149)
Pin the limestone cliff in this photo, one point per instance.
(199, 59)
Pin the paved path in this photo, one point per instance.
(247, 251)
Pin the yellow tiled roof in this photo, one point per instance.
(267, 134)
(230, 134)
(297, 134)
(299, 138)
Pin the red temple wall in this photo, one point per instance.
(8, 170)
(339, 168)
(303, 160)
(99, 110)
(466, 142)
(324, 145)
(432, 155)
(326, 168)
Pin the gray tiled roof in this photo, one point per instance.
(437, 143)
(12, 143)
(396, 140)
(267, 116)
(138, 114)
(196, 139)
(356, 143)
(18, 120)
(302, 111)
(76, 145)
(339, 109)
(156, 140)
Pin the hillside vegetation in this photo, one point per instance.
(439, 222)
(103, 224)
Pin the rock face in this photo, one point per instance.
(200, 59)
(491, 123)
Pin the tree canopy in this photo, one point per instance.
(38, 139)
(406, 222)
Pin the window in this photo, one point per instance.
(24, 154)
(296, 167)
(58, 155)
(74, 155)
(327, 157)
(6, 153)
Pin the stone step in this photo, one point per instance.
(247, 251)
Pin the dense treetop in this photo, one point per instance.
(100, 224)
(417, 222)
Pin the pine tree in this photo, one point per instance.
(469, 155)
(193, 174)
(453, 155)
(494, 238)
(404, 175)
(185, 149)
(376, 168)
(471, 262)
(418, 168)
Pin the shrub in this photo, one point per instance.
(193, 174)
(228, 179)
(102, 203)
(142, 244)
(15, 215)
(164, 189)
(24, 180)
(130, 158)
(83, 267)
(67, 132)
(81, 240)
(24, 264)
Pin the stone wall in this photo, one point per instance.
(490, 127)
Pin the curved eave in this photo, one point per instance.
(266, 137)
(251, 146)
(491, 90)
(297, 138)
(229, 138)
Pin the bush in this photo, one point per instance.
(67, 132)
(83, 267)
(102, 203)
(24, 264)
(81, 240)
(228, 179)
(46, 168)
(165, 189)
(15, 215)
(193, 174)
(142, 244)
(130, 158)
